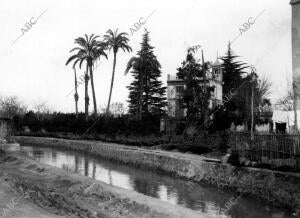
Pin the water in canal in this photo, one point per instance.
(208, 200)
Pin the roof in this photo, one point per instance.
(293, 2)
(216, 63)
(172, 78)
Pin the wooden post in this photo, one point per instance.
(295, 108)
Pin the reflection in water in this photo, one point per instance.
(188, 194)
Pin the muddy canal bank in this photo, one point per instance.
(280, 189)
(71, 195)
(15, 204)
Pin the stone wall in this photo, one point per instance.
(281, 189)
(3, 129)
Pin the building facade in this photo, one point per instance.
(175, 88)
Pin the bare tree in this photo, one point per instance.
(287, 100)
(41, 109)
(11, 106)
(117, 108)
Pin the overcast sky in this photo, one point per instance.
(33, 68)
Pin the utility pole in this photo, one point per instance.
(295, 108)
(253, 79)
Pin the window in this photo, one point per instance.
(179, 89)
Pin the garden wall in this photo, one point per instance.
(4, 129)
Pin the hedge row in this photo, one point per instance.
(69, 122)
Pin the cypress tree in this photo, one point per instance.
(235, 82)
(146, 91)
(232, 71)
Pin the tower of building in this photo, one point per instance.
(217, 70)
(296, 50)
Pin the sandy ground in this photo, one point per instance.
(57, 193)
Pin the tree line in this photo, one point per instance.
(147, 95)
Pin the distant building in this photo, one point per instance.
(175, 88)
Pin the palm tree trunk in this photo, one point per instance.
(76, 105)
(76, 97)
(94, 170)
(86, 83)
(76, 164)
(252, 110)
(93, 91)
(86, 166)
(112, 82)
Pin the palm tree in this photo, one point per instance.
(115, 41)
(76, 96)
(88, 51)
(100, 51)
(264, 86)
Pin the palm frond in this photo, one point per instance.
(71, 59)
(75, 62)
(74, 49)
(117, 41)
(81, 61)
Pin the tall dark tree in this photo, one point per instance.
(234, 82)
(233, 70)
(146, 92)
(197, 92)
